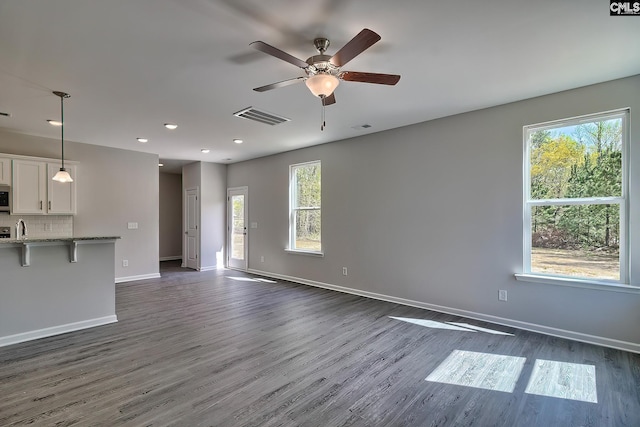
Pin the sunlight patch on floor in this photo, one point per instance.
(563, 380)
(479, 370)
(453, 326)
(478, 328)
(250, 279)
(431, 324)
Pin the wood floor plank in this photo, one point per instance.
(205, 349)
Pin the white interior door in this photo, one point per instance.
(237, 241)
(192, 232)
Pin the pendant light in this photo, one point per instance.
(62, 175)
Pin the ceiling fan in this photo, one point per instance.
(323, 71)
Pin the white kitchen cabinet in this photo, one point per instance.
(5, 171)
(35, 192)
(61, 197)
(29, 187)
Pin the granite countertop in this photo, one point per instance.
(57, 239)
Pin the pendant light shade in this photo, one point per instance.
(62, 175)
(322, 85)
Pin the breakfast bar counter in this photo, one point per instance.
(50, 286)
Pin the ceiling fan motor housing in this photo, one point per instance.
(320, 64)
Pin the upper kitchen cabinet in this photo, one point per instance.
(5, 171)
(61, 197)
(29, 187)
(35, 192)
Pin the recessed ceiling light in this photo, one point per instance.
(143, 140)
(160, 164)
(171, 126)
(54, 122)
(205, 150)
(238, 141)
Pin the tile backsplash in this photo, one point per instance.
(40, 226)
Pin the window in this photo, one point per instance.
(304, 207)
(575, 198)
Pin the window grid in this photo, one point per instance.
(307, 240)
(619, 201)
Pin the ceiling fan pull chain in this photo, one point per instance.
(323, 122)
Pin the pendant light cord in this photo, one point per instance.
(62, 96)
(62, 127)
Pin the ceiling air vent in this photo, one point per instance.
(261, 116)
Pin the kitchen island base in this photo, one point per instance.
(52, 295)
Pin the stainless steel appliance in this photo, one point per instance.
(5, 232)
(5, 198)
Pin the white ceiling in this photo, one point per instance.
(131, 66)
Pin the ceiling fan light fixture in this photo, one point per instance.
(322, 85)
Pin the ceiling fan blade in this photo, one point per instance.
(363, 41)
(329, 100)
(273, 51)
(279, 84)
(377, 78)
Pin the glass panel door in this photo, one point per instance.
(237, 228)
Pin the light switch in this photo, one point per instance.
(132, 225)
(254, 225)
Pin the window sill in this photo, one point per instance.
(600, 285)
(299, 252)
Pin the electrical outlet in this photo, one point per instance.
(344, 271)
(132, 225)
(261, 259)
(125, 263)
(48, 226)
(502, 295)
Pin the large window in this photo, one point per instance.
(575, 198)
(304, 207)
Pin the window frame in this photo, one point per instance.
(294, 209)
(622, 201)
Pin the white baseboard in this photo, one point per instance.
(171, 258)
(56, 330)
(556, 332)
(139, 277)
(208, 268)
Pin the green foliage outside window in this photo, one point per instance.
(306, 202)
(582, 161)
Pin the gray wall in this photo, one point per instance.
(210, 178)
(431, 214)
(114, 187)
(170, 216)
(213, 192)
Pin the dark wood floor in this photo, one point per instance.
(195, 349)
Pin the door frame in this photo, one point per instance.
(185, 243)
(244, 190)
